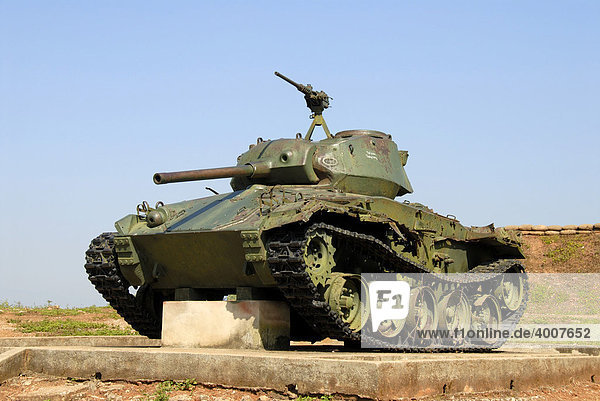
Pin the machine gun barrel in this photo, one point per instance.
(300, 87)
(205, 174)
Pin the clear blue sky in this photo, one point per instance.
(497, 102)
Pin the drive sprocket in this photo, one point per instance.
(319, 255)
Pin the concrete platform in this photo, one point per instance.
(312, 369)
(90, 341)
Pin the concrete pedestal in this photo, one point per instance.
(224, 324)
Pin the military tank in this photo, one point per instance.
(304, 220)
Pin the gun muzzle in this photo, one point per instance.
(300, 87)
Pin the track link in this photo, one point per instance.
(105, 274)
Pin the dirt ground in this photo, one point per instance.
(18, 321)
(45, 388)
(578, 253)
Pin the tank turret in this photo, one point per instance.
(357, 161)
(363, 162)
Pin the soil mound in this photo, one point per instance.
(578, 253)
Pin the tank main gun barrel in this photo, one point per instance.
(247, 170)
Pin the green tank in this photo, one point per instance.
(304, 221)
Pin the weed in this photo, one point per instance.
(559, 319)
(564, 252)
(7, 307)
(550, 239)
(309, 398)
(53, 310)
(106, 311)
(159, 395)
(542, 293)
(164, 388)
(58, 312)
(98, 309)
(588, 302)
(185, 385)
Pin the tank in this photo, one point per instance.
(304, 220)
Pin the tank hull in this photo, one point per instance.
(219, 241)
(306, 245)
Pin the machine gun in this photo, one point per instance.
(317, 102)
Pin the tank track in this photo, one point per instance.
(105, 274)
(285, 257)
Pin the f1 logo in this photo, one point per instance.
(388, 300)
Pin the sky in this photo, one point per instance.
(497, 103)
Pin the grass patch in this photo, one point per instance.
(98, 309)
(66, 327)
(309, 398)
(542, 293)
(565, 251)
(106, 311)
(588, 302)
(52, 310)
(549, 239)
(164, 388)
(56, 312)
(12, 308)
(558, 319)
(185, 385)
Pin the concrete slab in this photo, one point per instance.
(12, 363)
(223, 324)
(362, 374)
(70, 341)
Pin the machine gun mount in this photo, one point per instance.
(317, 102)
